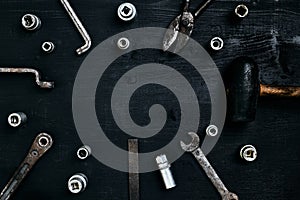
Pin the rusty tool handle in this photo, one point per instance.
(279, 91)
(40, 145)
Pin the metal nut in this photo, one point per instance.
(217, 43)
(212, 130)
(248, 153)
(123, 43)
(241, 11)
(17, 119)
(77, 183)
(126, 11)
(31, 22)
(48, 47)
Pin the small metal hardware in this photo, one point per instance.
(133, 175)
(212, 130)
(40, 146)
(84, 152)
(217, 43)
(17, 119)
(86, 37)
(31, 22)
(241, 11)
(123, 43)
(77, 183)
(126, 11)
(48, 47)
(194, 148)
(248, 153)
(41, 84)
(164, 167)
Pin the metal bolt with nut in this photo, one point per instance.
(17, 119)
(126, 11)
(31, 22)
(248, 153)
(77, 183)
(164, 167)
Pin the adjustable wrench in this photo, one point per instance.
(194, 148)
(40, 145)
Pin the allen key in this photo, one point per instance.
(41, 84)
(79, 26)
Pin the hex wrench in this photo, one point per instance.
(79, 26)
(41, 144)
(41, 84)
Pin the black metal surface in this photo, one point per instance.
(270, 34)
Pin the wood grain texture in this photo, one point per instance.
(270, 34)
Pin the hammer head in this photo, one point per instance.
(242, 89)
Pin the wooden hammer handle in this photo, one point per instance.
(281, 91)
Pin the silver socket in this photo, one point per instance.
(48, 47)
(212, 130)
(77, 183)
(126, 11)
(248, 153)
(84, 152)
(164, 167)
(241, 11)
(217, 43)
(123, 43)
(31, 22)
(17, 119)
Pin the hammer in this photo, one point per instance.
(244, 88)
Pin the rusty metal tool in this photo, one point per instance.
(41, 144)
(194, 148)
(183, 23)
(83, 32)
(41, 84)
(133, 161)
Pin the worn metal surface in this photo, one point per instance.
(133, 164)
(37, 150)
(206, 166)
(277, 91)
(41, 84)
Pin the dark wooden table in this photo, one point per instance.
(270, 34)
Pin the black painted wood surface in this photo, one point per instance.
(270, 34)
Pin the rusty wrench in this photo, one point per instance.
(194, 148)
(79, 26)
(40, 145)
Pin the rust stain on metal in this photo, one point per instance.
(41, 84)
(281, 91)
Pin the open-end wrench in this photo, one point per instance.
(40, 145)
(194, 148)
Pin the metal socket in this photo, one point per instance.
(212, 130)
(241, 11)
(164, 167)
(84, 152)
(123, 43)
(126, 11)
(248, 153)
(17, 119)
(31, 22)
(77, 183)
(48, 47)
(217, 43)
